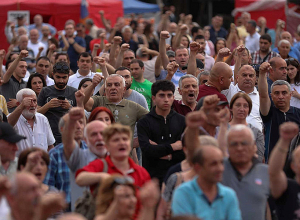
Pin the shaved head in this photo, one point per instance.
(219, 69)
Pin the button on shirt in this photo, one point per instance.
(254, 117)
(189, 199)
(252, 42)
(40, 136)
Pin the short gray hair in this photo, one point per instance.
(284, 42)
(240, 127)
(116, 75)
(185, 77)
(280, 83)
(127, 27)
(204, 73)
(23, 92)
(61, 125)
(89, 21)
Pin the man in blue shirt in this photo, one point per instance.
(38, 24)
(204, 197)
(58, 174)
(216, 30)
(75, 45)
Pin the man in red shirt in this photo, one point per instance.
(117, 139)
(219, 79)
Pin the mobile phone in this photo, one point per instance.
(61, 98)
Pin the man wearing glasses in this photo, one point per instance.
(54, 101)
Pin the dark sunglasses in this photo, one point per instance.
(292, 59)
(122, 181)
(59, 67)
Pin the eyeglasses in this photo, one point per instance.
(58, 68)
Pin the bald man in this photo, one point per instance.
(246, 79)
(45, 36)
(277, 72)
(219, 79)
(77, 157)
(38, 24)
(35, 44)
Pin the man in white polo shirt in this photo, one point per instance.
(84, 63)
(27, 122)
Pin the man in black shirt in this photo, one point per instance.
(273, 115)
(285, 191)
(56, 100)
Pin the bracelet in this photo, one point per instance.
(282, 150)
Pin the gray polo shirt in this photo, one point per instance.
(79, 158)
(252, 189)
(10, 89)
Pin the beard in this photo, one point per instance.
(128, 86)
(60, 85)
(28, 114)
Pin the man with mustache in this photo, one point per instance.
(54, 101)
(27, 122)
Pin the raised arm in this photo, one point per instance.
(15, 115)
(239, 51)
(171, 68)
(278, 179)
(68, 133)
(150, 52)
(162, 48)
(181, 31)
(116, 42)
(119, 60)
(192, 64)
(2, 57)
(88, 101)
(264, 99)
(78, 48)
(224, 52)
(104, 21)
(13, 66)
(64, 40)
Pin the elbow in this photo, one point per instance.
(79, 180)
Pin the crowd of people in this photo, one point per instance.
(144, 121)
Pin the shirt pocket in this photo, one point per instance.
(41, 141)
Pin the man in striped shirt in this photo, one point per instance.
(264, 54)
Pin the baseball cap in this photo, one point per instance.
(200, 103)
(7, 133)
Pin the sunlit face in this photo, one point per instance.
(69, 30)
(181, 57)
(136, 71)
(184, 41)
(94, 138)
(281, 96)
(79, 127)
(212, 168)
(284, 49)
(163, 100)
(246, 78)
(264, 45)
(36, 84)
(280, 71)
(292, 71)
(127, 203)
(114, 89)
(226, 79)
(127, 58)
(60, 80)
(127, 77)
(23, 42)
(240, 109)
(104, 117)
(21, 69)
(220, 44)
(189, 90)
(241, 147)
(40, 170)
(34, 36)
(119, 146)
(84, 63)
(30, 111)
(42, 67)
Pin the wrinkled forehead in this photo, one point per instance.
(280, 88)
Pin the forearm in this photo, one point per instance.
(147, 213)
(153, 53)
(162, 53)
(110, 69)
(68, 139)
(38, 55)
(87, 178)
(237, 67)
(112, 34)
(222, 140)
(119, 59)
(191, 140)
(43, 109)
(278, 157)
(15, 115)
(102, 44)
(94, 52)
(157, 66)
(104, 72)
(50, 53)
(112, 59)
(229, 59)
(78, 48)
(11, 69)
(263, 86)
(94, 68)
(192, 64)
(66, 43)
(88, 92)
(177, 40)
(169, 76)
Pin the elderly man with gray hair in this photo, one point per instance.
(127, 38)
(273, 115)
(27, 122)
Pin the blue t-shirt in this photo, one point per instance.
(175, 79)
(294, 52)
(189, 199)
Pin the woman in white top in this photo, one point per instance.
(293, 77)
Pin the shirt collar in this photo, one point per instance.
(22, 118)
(253, 92)
(122, 103)
(80, 76)
(132, 165)
(199, 191)
(13, 78)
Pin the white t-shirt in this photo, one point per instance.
(35, 48)
(294, 101)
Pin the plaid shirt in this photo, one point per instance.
(256, 59)
(58, 174)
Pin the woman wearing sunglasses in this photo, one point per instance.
(117, 199)
(293, 77)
